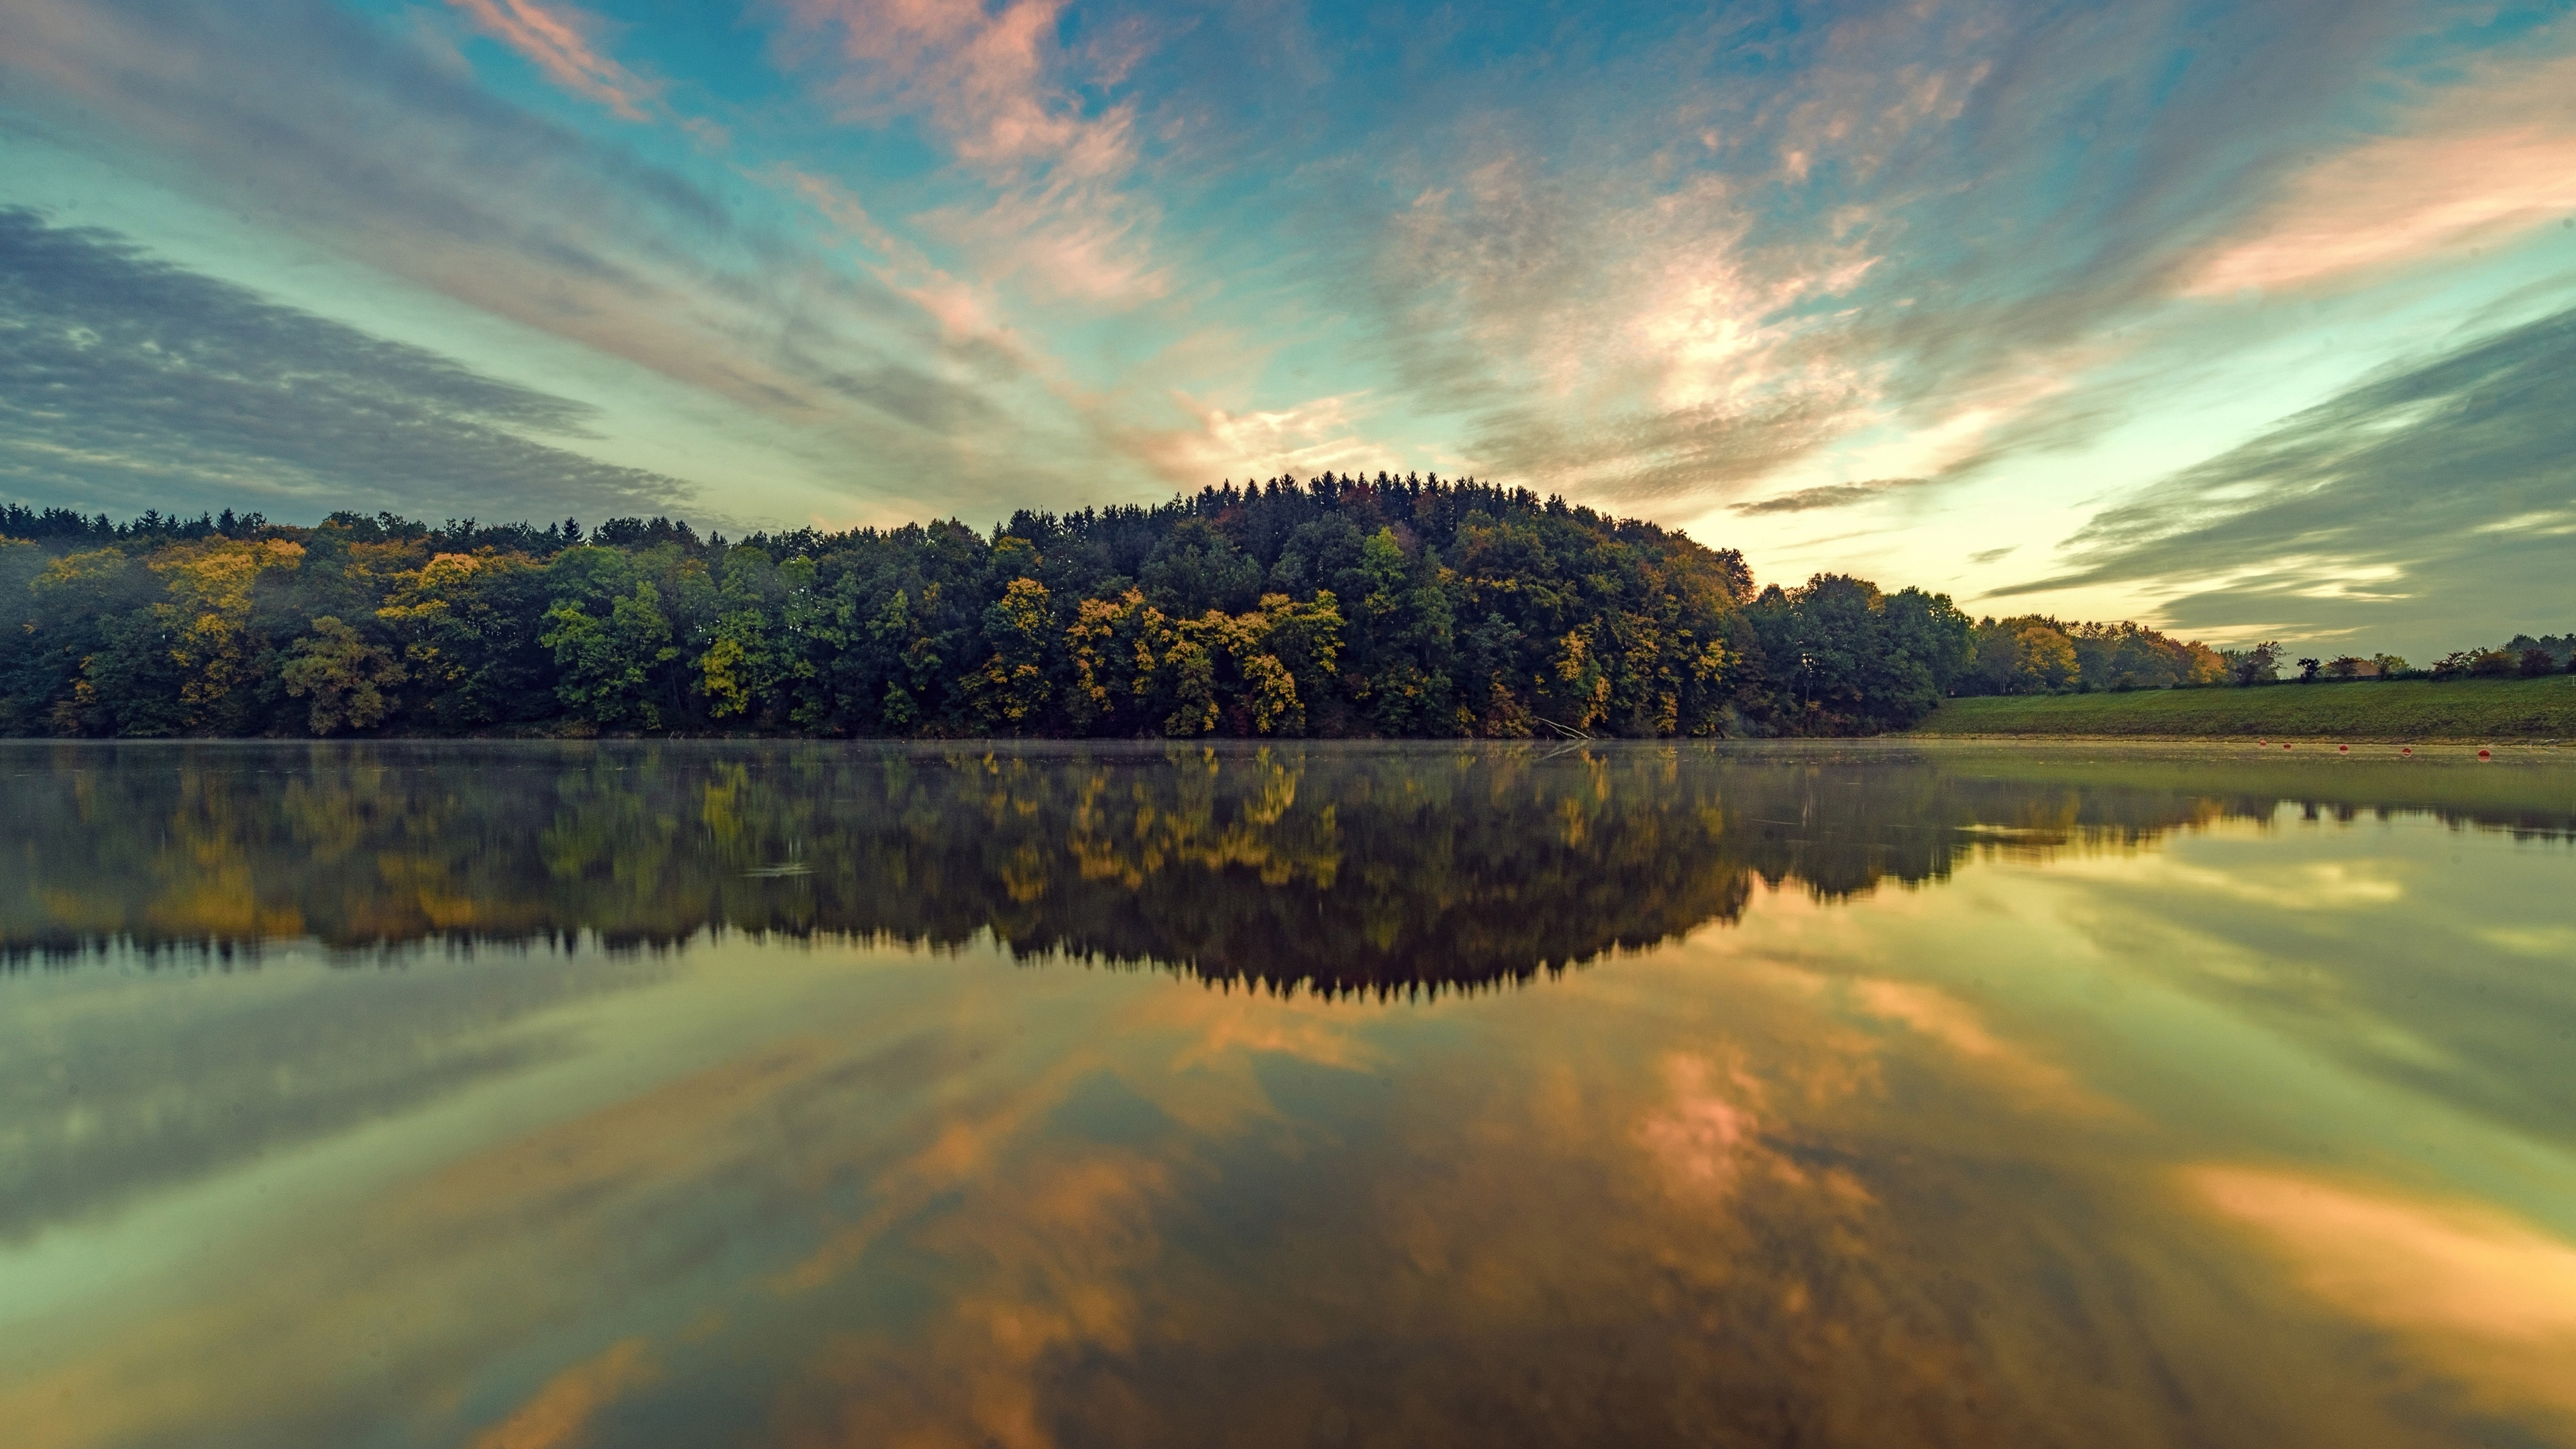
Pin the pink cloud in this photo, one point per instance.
(2483, 1299)
(2399, 201)
(983, 78)
(2499, 160)
(563, 1412)
(964, 311)
(1710, 1132)
(1064, 240)
(1313, 436)
(1680, 356)
(556, 40)
(998, 88)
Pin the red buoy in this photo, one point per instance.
(2482, 754)
(2343, 749)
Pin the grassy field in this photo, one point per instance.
(2484, 709)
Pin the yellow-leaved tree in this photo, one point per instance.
(1011, 690)
(1134, 665)
(207, 594)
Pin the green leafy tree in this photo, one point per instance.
(2027, 655)
(344, 674)
(1848, 659)
(746, 669)
(1195, 568)
(605, 666)
(470, 627)
(96, 658)
(1402, 639)
(2258, 665)
(2494, 664)
(914, 672)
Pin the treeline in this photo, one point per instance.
(2521, 657)
(2040, 654)
(1276, 864)
(1337, 606)
(1283, 865)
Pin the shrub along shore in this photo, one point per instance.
(2398, 709)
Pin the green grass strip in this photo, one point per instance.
(2478, 709)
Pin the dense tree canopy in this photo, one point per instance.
(1332, 866)
(1339, 606)
(2039, 654)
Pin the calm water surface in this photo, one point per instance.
(703, 1095)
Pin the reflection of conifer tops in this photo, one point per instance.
(1331, 868)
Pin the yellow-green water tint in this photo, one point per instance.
(746, 1095)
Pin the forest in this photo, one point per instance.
(1337, 606)
(1283, 865)
(1276, 864)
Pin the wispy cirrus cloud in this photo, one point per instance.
(985, 79)
(1922, 221)
(369, 148)
(2477, 164)
(130, 383)
(1677, 360)
(353, 140)
(558, 40)
(2437, 498)
(1065, 240)
(1326, 434)
(1829, 495)
(1725, 265)
(999, 91)
(967, 312)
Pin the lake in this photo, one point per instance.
(680, 1094)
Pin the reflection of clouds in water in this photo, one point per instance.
(1704, 1137)
(560, 1415)
(1059, 1239)
(2317, 885)
(436, 1288)
(1051, 1273)
(2555, 942)
(2479, 1296)
(2348, 884)
(2370, 946)
(1224, 1030)
(1782, 1181)
(1707, 1169)
(1187, 1052)
(118, 1089)
(2033, 1081)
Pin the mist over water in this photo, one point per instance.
(479, 1094)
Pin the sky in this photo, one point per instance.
(2246, 320)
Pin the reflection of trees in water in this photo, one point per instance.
(1340, 869)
